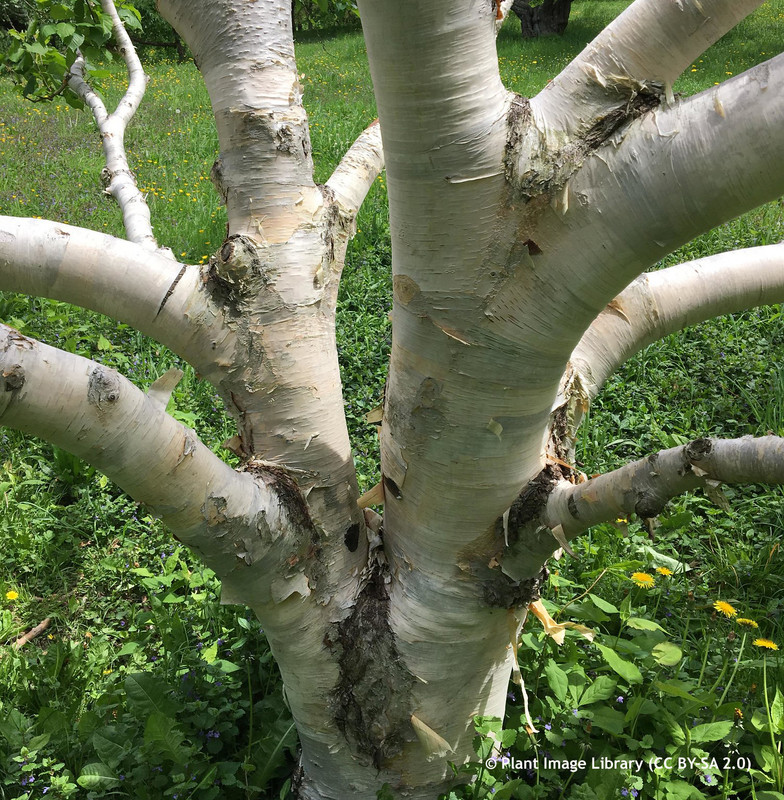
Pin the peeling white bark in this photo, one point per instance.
(265, 170)
(118, 176)
(95, 413)
(660, 303)
(642, 487)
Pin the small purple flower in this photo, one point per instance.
(548, 726)
(619, 699)
(624, 792)
(510, 696)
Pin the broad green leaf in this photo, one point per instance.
(770, 795)
(87, 724)
(662, 560)
(97, 776)
(766, 756)
(109, 744)
(667, 654)
(608, 608)
(148, 694)
(64, 29)
(673, 726)
(628, 671)
(104, 343)
(673, 689)
(211, 653)
(777, 712)
(641, 624)
(37, 742)
(602, 688)
(680, 790)
(161, 732)
(128, 648)
(711, 731)
(507, 790)
(557, 679)
(608, 719)
(59, 11)
(226, 666)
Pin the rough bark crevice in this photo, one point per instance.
(372, 700)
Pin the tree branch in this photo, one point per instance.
(643, 192)
(117, 174)
(100, 416)
(659, 303)
(163, 299)
(358, 168)
(642, 51)
(642, 487)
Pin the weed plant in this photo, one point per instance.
(143, 686)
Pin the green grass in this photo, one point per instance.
(123, 600)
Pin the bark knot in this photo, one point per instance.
(103, 387)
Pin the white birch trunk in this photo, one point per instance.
(514, 223)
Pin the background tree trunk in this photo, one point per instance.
(544, 19)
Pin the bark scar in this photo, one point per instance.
(171, 288)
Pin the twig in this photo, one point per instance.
(40, 628)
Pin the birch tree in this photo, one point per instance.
(521, 232)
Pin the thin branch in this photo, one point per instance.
(119, 178)
(359, 167)
(659, 303)
(644, 487)
(123, 280)
(642, 51)
(100, 416)
(32, 633)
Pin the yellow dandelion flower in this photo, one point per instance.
(108, 671)
(12, 595)
(725, 608)
(766, 643)
(643, 579)
(88, 635)
(664, 571)
(747, 622)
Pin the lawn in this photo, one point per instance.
(144, 686)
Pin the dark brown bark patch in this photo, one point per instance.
(13, 378)
(372, 701)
